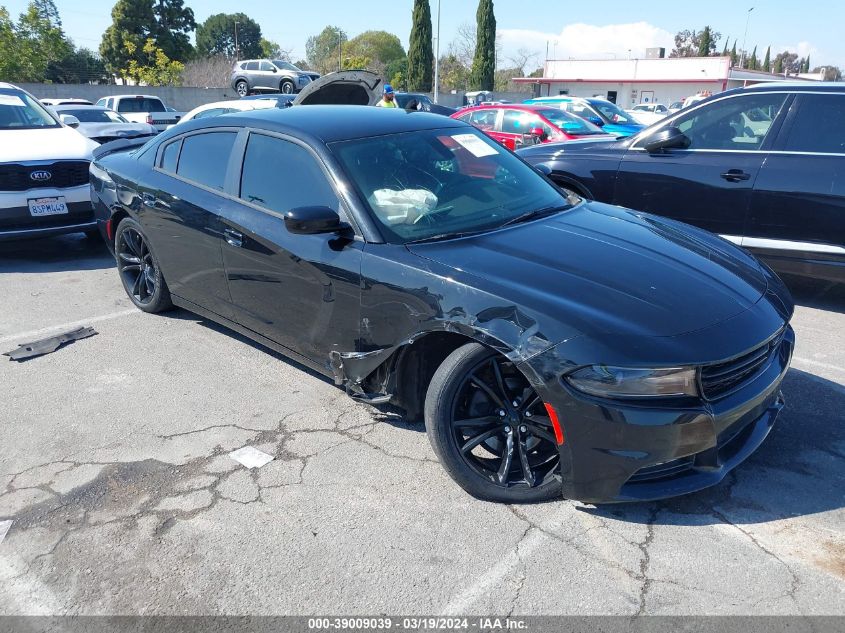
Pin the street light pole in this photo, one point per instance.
(744, 35)
(237, 58)
(437, 58)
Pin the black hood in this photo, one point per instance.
(598, 268)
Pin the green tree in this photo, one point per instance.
(420, 55)
(161, 71)
(133, 21)
(706, 45)
(323, 51)
(272, 50)
(831, 73)
(396, 73)
(81, 66)
(216, 36)
(9, 58)
(174, 22)
(807, 64)
(753, 63)
(787, 62)
(482, 75)
(725, 52)
(767, 61)
(734, 56)
(39, 40)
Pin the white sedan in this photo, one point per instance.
(648, 113)
(224, 107)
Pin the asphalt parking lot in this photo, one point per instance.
(123, 499)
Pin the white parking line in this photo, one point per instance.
(26, 337)
(816, 363)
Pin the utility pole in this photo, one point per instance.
(744, 35)
(437, 58)
(339, 49)
(237, 57)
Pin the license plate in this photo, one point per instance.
(47, 206)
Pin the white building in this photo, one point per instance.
(628, 82)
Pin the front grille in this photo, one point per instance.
(721, 378)
(68, 173)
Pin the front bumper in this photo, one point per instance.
(16, 222)
(634, 451)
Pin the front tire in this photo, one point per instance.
(139, 268)
(242, 88)
(287, 87)
(490, 430)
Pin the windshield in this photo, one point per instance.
(20, 111)
(91, 115)
(611, 113)
(576, 126)
(284, 65)
(432, 184)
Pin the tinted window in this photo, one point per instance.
(140, 105)
(266, 66)
(819, 125)
(252, 66)
(484, 119)
(204, 158)
(516, 122)
(280, 175)
(169, 157)
(735, 123)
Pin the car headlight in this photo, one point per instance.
(621, 382)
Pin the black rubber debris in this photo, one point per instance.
(46, 345)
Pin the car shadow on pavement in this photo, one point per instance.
(813, 293)
(54, 254)
(799, 470)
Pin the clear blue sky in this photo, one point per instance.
(813, 27)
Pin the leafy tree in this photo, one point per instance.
(806, 68)
(396, 73)
(9, 57)
(689, 43)
(81, 66)
(420, 55)
(161, 71)
(482, 75)
(174, 22)
(734, 56)
(133, 21)
(323, 51)
(706, 45)
(831, 73)
(753, 63)
(376, 50)
(39, 40)
(272, 50)
(454, 74)
(786, 62)
(767, 62)
(216, 36)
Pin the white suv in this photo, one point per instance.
(43, 170)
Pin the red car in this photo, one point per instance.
(517, 125)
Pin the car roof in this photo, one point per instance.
(525, 107)
(78, 106)
(131, 97)
(330, 123)
(8, 86)
(800, 86)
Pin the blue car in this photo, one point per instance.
(607, 115)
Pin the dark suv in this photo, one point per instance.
(762, 166)
(266, 75)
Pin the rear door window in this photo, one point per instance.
(205, 157)
(170, 156)
(819, 125)
(140, 105)
(252, 66)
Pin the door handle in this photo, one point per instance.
(233, 238)
(735, 175)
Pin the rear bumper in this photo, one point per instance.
(16, 222)
(622, 452)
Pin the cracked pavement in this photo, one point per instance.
(114, 469)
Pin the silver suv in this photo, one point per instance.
(265, 75)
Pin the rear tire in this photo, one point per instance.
(139, 268)
(242, 88)
(490, 430)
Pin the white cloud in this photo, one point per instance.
(583, 41)
(802, 49)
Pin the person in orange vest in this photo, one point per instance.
(388, 99)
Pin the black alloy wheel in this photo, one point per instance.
(491, 429)
(139, 269)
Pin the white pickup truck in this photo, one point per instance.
(142, 109)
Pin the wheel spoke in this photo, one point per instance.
(523, 461)
(129, 258)
(507, 458)
(500, 382)
(475, 441)
(136, 286)
(131, 268)
(482, 422)
(149, 282)
(475, 380)
(530, 402)
(542, 420)
(540, 432)
(131, 239)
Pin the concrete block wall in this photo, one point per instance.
(180, 98)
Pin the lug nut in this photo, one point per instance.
(507, 429)
(523, 429)
(527, 414)
(515, 403)
(502, 413)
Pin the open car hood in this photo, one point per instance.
(348, 87)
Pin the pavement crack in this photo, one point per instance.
(645, 561)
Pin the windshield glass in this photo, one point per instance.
(611, 112)
(92, 115)
(431, 184)
(18, 110)
(284, 65)
(569, 123)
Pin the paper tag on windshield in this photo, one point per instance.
(12, 100)
(475, 145)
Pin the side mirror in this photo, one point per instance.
(69, 120)
(539, 133)
(312, 220)
(667, 138)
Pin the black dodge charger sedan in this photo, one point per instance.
(552, 345)
(761, 166)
